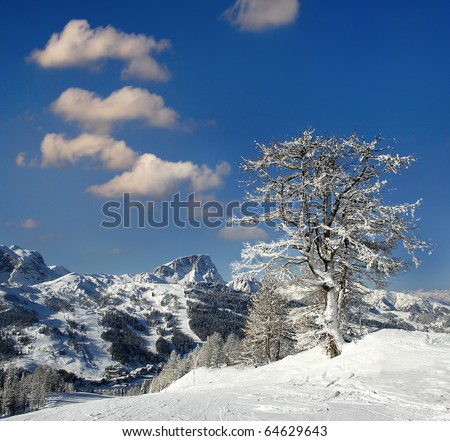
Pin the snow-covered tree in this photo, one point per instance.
(232, 350)
(268, 330)
(169, 374)
(327, 202)
(25, 391)
(211, 354)
(10, 404)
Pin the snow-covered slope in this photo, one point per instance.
(64, 330)
(189, 270)
(389, 375)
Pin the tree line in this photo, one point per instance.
(22, 391)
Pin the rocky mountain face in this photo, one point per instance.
(244, 283)
(25, 267)
(189, 270)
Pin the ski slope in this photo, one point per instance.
(389, 375)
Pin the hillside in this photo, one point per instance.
(121, 328)
(107, 326)
(388, 375)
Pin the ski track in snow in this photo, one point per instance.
(389, 375)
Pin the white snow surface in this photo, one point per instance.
(388, 375)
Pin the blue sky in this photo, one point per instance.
(201, 100)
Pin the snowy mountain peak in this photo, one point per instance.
(189, 269)
(244, 283)
(59, 270)
(24, 267)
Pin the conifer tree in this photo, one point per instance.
(269, 334)
(211, 353)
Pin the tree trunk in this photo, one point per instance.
(341, 309)
(267, 349)
(278, 349)
(334, 340)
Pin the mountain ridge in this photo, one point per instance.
(87, 323)
(83, 322)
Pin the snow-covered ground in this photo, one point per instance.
(389, 375)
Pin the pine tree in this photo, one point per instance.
(38, 389)
(175, 368)
(269, 334)
(10, 405)
(232, 350)
(211, 353)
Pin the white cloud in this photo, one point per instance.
(57, 151)
(126, 104)
(153, 176)
(30, 224)
(262, 15)
(241, 233)
(80, 45)
(20, 160)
